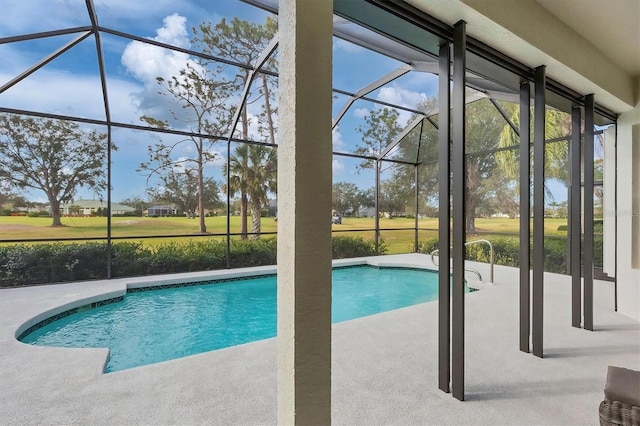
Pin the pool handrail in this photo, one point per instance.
(468, 243)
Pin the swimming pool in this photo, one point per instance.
(157, 325)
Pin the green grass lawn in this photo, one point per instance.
(398, 240)
(12, 227)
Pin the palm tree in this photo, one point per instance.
(237, 166)
(557, 124)
(252, 173)
(261, 179)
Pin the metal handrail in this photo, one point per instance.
(468, 243)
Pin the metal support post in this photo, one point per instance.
(588, 211)
(525, 215)
(538, 211)
(575, 216)
(444, 220)
(458, 191)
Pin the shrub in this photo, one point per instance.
(598, 226)
(507, 252)
(598, 251)
(428, 246)
(22, 264)
(245, 253)
(33, 214)
(47, 263)
(130, 259)
(555, 255)
(135, 213)
(345, 247)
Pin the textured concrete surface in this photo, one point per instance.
(305, 31)
(384, 367)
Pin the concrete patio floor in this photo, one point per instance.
(384, 366)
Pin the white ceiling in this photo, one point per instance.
(601, 49)
(612, 26)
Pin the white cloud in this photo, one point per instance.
(174, 31)
(219, 159)
(336, 138)
(338, 167)
(360, 112)
(61, 92)
(147, 62)
(183, 163)
(402, 97)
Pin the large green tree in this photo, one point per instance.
(484, 179)
(6, 193)
(394, 197)
(348, 197)
(253, 171)
(202, 94)
(491, 176)
(182, 189)
(243, 41)
(557, 125)
(137, 203)
(380, 129)
(53, 156)
(484, 125)
(556, 161)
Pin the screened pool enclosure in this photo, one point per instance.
(437, 140)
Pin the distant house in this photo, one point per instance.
(367, 212)
(273, 207)
(90, 208)
(161, 211)
(500, 215)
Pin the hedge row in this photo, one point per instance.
(506, 251)
(22, 265)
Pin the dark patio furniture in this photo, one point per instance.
(621, 405)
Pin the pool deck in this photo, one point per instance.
(384, 366)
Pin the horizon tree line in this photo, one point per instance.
(205, 95)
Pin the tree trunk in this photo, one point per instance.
(243, 195)
(255, 220)
(470, 218)
(267, 105)
(243, 215)
(473, 182)
(55, 211)
(203, 225)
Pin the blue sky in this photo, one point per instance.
(70, 85)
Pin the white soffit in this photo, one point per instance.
(612, 26)
(533, 40)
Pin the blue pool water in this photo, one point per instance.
(159, 325)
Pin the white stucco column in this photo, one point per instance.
(304, 212)
(628, 214)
